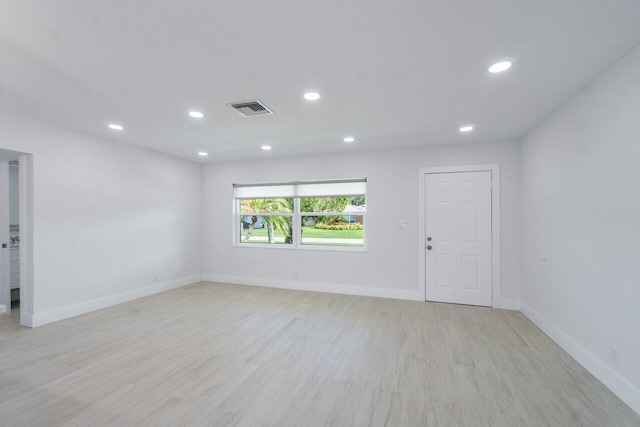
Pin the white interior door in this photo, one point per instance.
(458, 237)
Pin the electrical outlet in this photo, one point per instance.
(295, 275)
(155, 278)
(402, 224)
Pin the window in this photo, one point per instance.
(306, 215)
(267, 221)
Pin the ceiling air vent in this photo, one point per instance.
(251, 108)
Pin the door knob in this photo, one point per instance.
(429, 248)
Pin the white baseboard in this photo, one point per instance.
(507, 303)
(626, 391)
(404, 294)
(39, 319)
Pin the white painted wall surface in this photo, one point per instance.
(108, 216)
(390, 265)
(581, 211)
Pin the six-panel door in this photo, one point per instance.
(458, 222)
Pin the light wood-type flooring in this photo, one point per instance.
(219, 354)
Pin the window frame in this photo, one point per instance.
(296, 226)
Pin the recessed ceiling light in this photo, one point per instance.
(115, 126)
(501, 66)
(266, 147)
(312, 96)
(349, 139)
(203, 154)
(196, 114)
(467, 128)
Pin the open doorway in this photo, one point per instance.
(15, 223)
(14, 234)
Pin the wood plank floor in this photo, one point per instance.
(217, 354)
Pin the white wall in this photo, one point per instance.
(581, 211)
(107, 217)
(390, 266)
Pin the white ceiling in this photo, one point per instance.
(391, 73)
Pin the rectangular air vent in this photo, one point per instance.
(251, 108)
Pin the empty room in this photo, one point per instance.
(340, 213)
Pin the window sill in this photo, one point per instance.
(303, 247)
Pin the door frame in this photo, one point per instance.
(5, 282)
(495, 223)
(25, 203)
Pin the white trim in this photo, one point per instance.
(296, 226)
(39, 319)
(25, 205)
(5, 255)
(305, 247)
(403, 294)
(507, 303)
(626, 391)
(277, 246)
(495, 223)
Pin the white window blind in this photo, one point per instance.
(334, 188)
